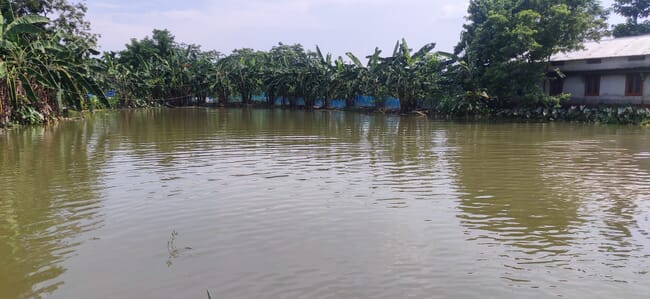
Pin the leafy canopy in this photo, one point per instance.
(506, 43)
(633, 10)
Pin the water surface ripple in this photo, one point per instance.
(294, 204)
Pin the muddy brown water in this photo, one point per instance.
(294, 204)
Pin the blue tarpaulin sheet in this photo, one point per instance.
(279, 101)
(337, 104)
(300, 101)
(259, 98)
(319, 103)
(234, 98)
(364, 101)
(391, 103)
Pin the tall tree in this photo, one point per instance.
(633, 10)
(243, 67)
(507, 43)
(410, 77)
(137, 51)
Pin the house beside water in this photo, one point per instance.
(607, 72)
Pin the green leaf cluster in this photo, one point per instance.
(41, 71)
(632, 10)
(506, 45)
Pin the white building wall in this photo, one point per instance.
(575, 85)
(612, 90)
(612, 86)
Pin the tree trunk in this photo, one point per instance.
(406, 105)
(349, 102)
(270, 99)
(5, 109)
(223, 98)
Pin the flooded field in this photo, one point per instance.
(321, 204)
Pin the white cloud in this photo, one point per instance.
(336, 25)
(105, 5)
(454, 11)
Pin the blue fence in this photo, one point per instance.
(259, 97)
(279, 101)
(300, 102)
(337, 104)
(364, 101)
(234, 99)
(391, 103)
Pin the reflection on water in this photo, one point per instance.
(570, 198)
(507, 198)
(49, 181)
(292, 204)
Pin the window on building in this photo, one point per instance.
(633, 85)
(592, 85)
(557, 86)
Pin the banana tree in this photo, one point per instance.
(365, 78)
(200, 70)
(243, 68)
(36, 69)
(128, 83)
(285, 72)
(335, 77)
(69, 70)
(407, 76)
(14, 49)
(221, 84)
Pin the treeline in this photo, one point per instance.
(48, 66)
(157, 68)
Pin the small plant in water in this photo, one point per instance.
(174, 252)
(171, 248)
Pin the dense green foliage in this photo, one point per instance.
(159, 68)
(42, 68)
(574, 113)
(632, 10)
(631, 29)
(506, 45)
(50, 65)
(155, 68)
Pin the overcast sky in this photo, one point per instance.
(337, 26)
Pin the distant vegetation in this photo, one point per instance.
(158, 68)
(636, 13)
(49, 66)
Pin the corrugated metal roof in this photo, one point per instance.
(617, 47)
